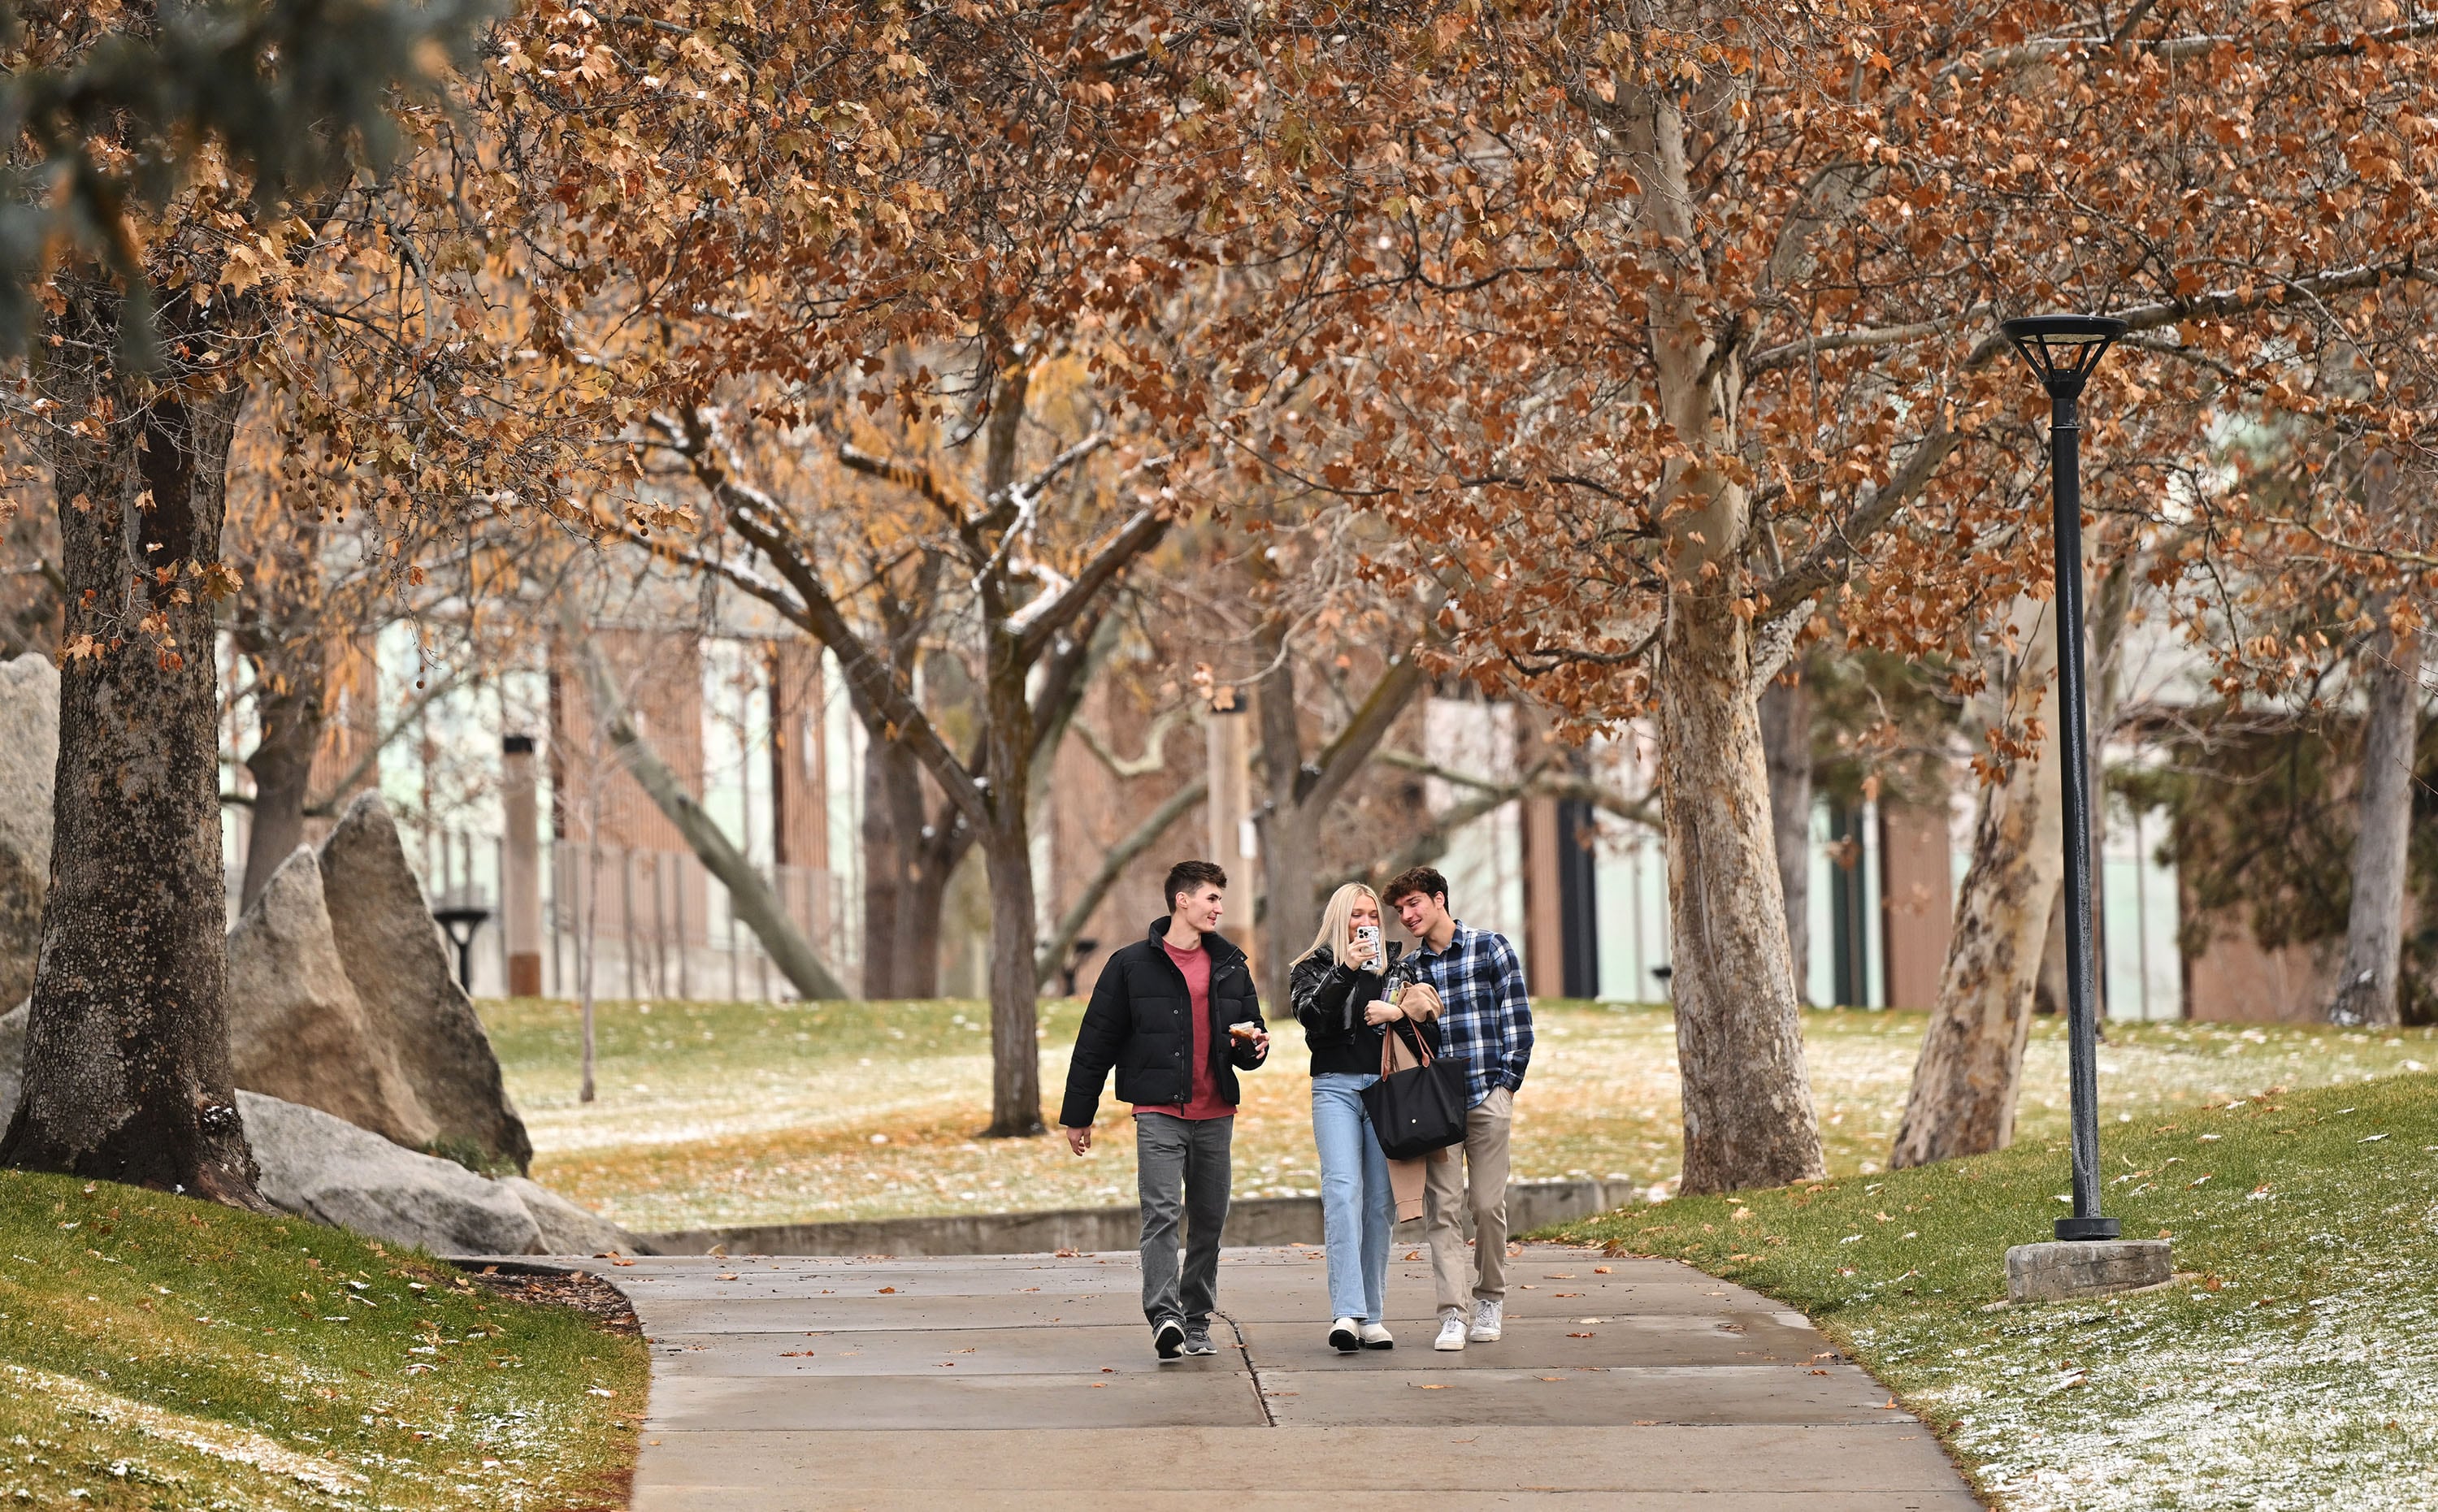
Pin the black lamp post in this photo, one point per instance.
(2063, 350)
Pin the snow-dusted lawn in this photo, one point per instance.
(2295, 1365)
(158, 1353)
(713, 1114)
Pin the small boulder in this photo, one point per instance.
(30, 759)
(567, 1229)
(297, 1030)
(395, 957)
(327, 1170)
(13, 1059)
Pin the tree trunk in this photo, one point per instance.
(282, 765)
(1971, 1067)
(1289, 868)
(1007, 859)
(881, 879)
(2048, 994)
(1749, 1119)
(906, 872)
(126, 1064)
(1016, 1052)
(2366, 985)
(1786, 744)
(2111, 605)
(1289, 841)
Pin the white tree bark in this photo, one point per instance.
(1749, 1119)
(2366, 985)
(1786, 742)
(1965, 1082)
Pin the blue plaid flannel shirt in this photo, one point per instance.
(1485, 1019)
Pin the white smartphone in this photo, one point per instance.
(1368, 935)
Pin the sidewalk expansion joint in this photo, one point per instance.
(1261, 1396)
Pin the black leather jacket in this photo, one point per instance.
(1330, 1000)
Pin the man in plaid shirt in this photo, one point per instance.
(1487, 1021)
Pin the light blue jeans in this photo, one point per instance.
(1359, 1211)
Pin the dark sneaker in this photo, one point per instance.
(1197, 1340)
(1168, 1338)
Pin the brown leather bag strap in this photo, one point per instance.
(1422, 1051)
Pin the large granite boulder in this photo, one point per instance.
(30, 759)
(567, 1229)
(325, 1169)
(330, 1170)
(297, 1030)
(400, 970)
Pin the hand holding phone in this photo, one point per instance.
(1366, 951)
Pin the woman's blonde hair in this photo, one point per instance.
(1334, 918)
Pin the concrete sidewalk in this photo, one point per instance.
(1012, 1382)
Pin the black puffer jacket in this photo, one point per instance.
(1139, 1022)
(1330, 1000)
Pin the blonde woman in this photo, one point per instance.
(1337, 987)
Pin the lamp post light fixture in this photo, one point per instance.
(2063, 350)
(459, 918)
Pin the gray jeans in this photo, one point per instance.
(1182, 1169)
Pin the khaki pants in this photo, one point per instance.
(1480, 1180)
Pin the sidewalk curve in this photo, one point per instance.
(989, 1382)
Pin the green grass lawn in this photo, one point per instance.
(2293, 1364)
(758, 1113)
(157, 1352)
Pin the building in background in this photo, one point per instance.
(755, 724)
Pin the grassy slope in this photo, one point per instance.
(158, 1352)
(2293, 1366)
(739, 1113)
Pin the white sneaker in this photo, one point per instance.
(1376, 1336)
(1345, 1337)
(1451, 1332)
(1489, 1320)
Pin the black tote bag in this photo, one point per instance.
(1418, 1109)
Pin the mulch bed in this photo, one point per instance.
(588, 1294)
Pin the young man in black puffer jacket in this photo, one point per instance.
(1176, 1015)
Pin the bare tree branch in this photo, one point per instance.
(1122, 855)
(370, 761)
(1131, 540)
(1318, 785)
(1154, 754)
(920, 480)
(767, 528)
(1828, 561)
(749, 894)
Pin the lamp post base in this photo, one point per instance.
(2051, 1273)
(2073, 1230)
